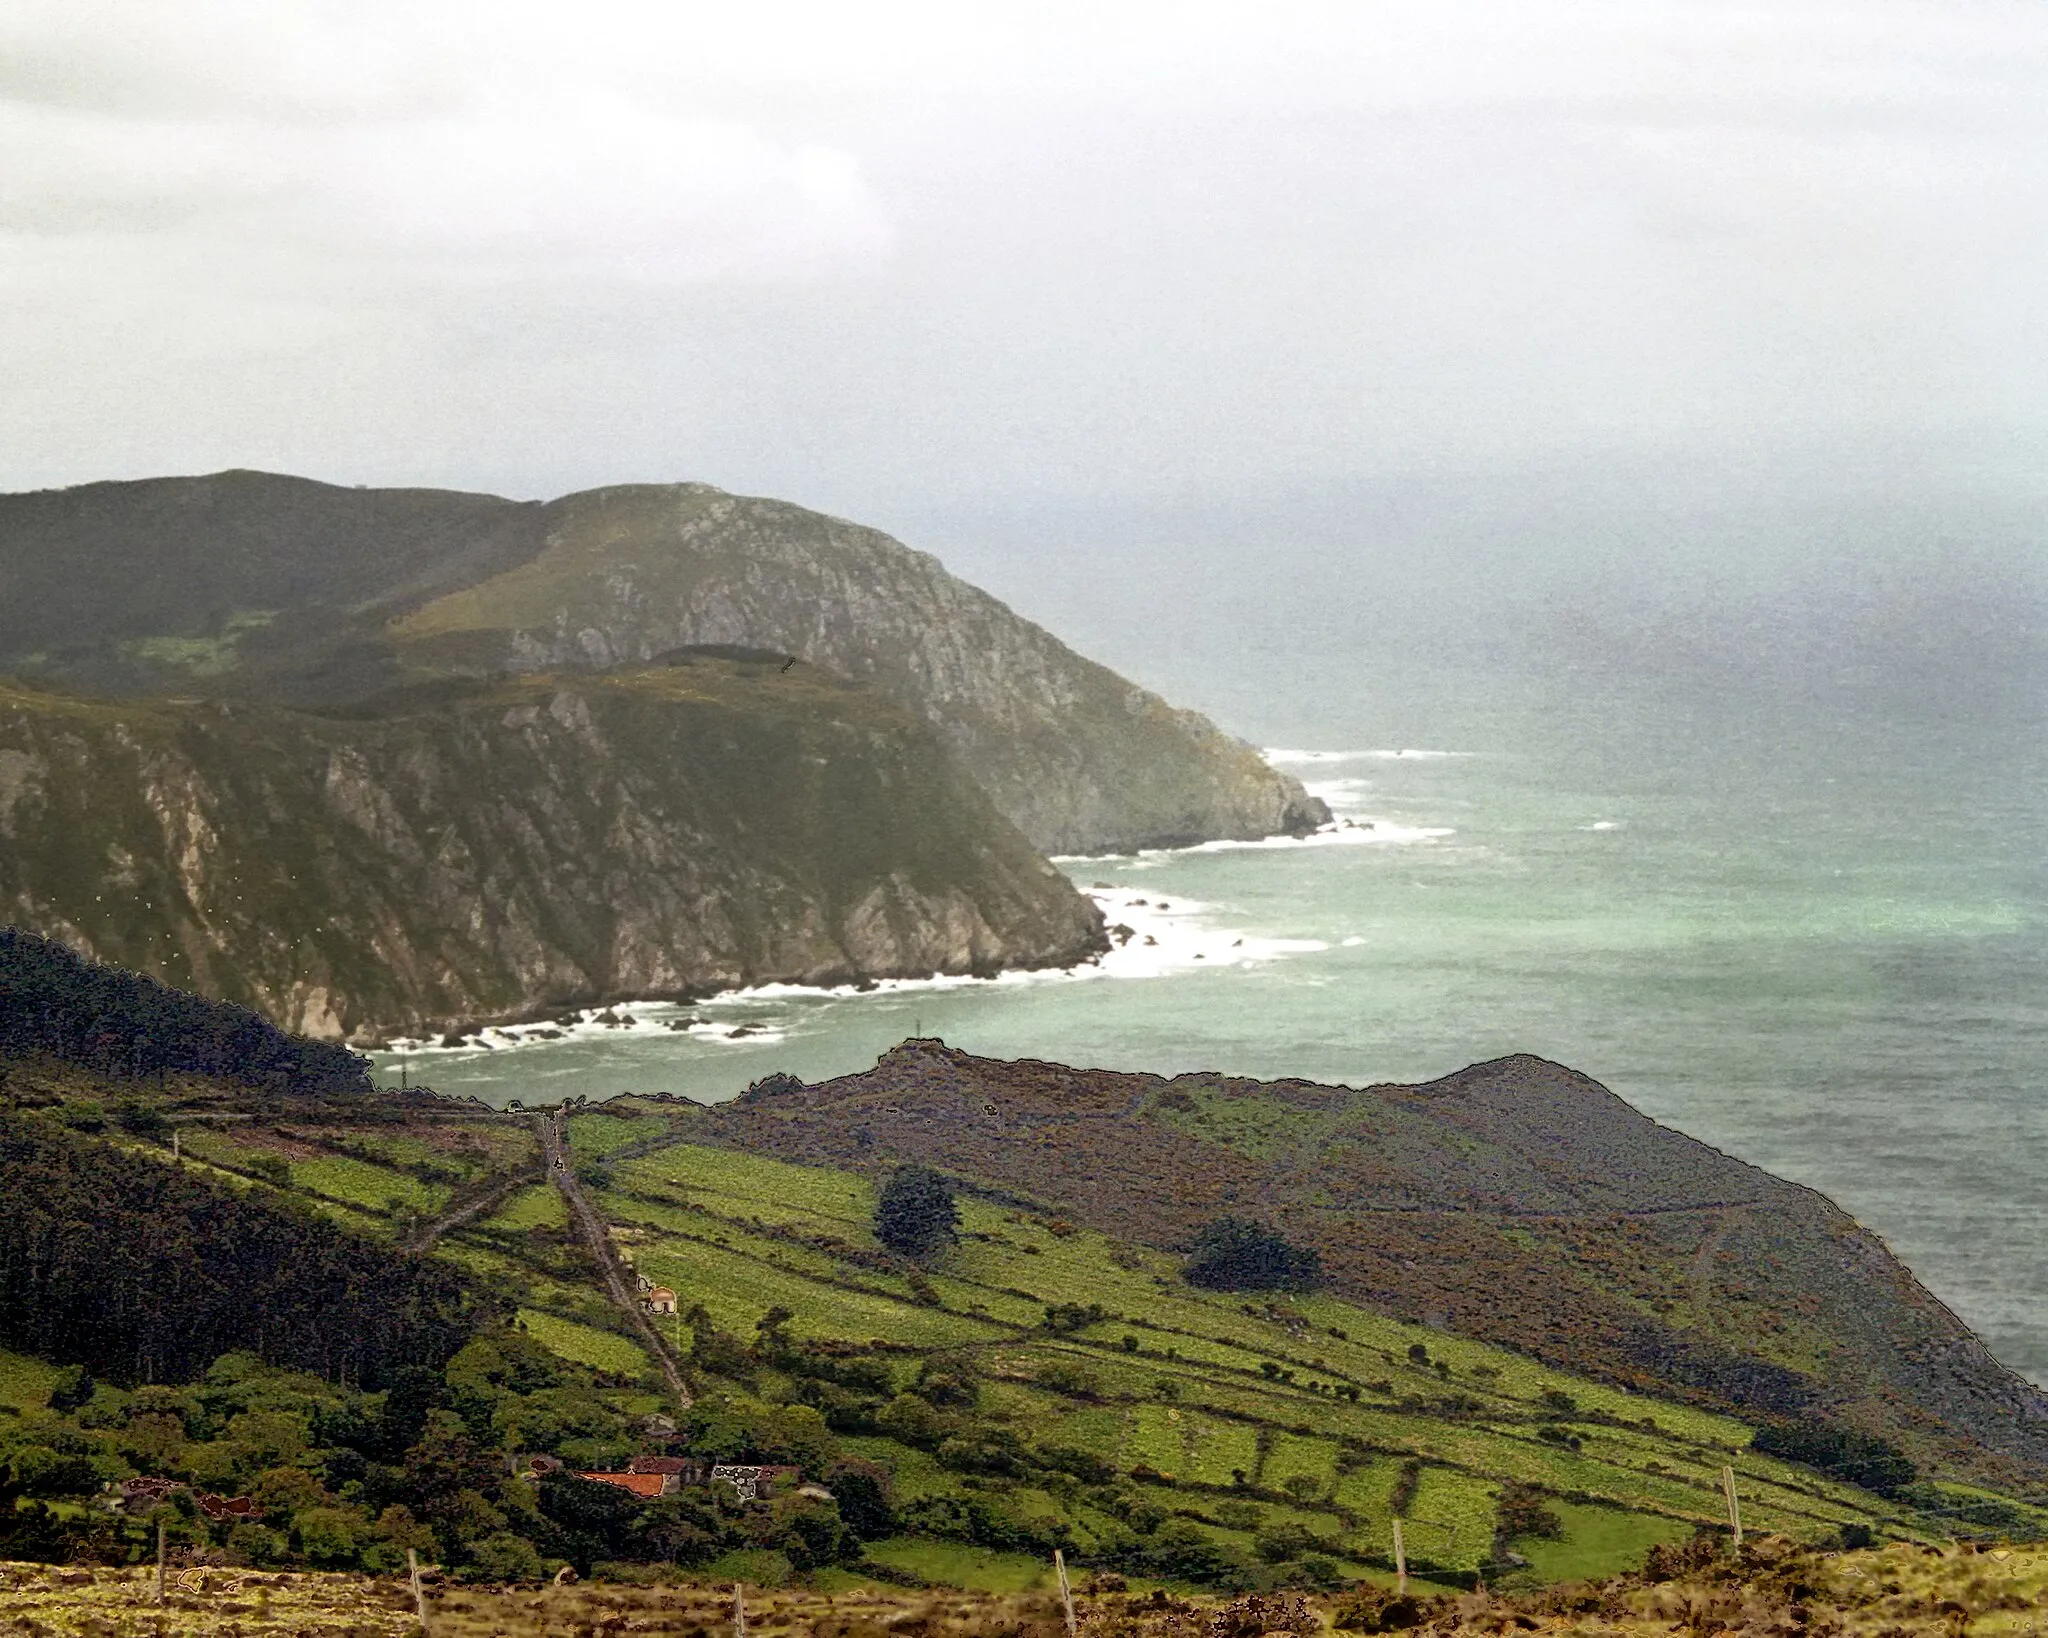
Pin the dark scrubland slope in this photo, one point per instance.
(250, 585)
(474, 850)
(1515, 1202)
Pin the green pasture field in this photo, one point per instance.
(600, 1134)
(979, 1569)
(375, 1188)
(734, 1184)
(1597, 1541)
(736, 1290)
(586, 1344)
(1450, 1521)
(537, 1206)
(25, 1382)
(1188, 1399)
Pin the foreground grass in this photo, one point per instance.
(1901, 1591)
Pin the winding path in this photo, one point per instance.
(554, 1141)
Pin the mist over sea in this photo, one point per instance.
(1747, 822)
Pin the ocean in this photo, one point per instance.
(1781, 883)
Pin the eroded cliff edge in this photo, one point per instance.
(498, 851)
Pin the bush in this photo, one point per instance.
(1524, 1511)
(863, 1491)
(915, 1216)
(1861, 1458)
(503, 1556)
(1234, 1255)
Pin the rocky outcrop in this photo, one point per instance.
(1079, 759)
(246, 584)
(500, 851)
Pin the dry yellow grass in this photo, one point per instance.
(1774, 1590)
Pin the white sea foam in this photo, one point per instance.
(1152, 937)
(1286, 758)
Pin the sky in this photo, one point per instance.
(933, 263)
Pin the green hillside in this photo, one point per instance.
(1104, 1389)
(1037, 1384)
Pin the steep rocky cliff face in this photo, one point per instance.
(1078, 758)
(498, 851)
(255, 586)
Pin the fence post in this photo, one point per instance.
(739, 1611)
(419, 1593)
(159, 1561)
(1059, 1566)
(1734, 1508)
(1400, 1560)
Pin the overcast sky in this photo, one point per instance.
(882, 257)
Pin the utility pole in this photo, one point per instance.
(1400, 1560)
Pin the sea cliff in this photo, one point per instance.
(497, 851)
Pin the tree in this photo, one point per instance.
(1234, 1255)
(916, 1215)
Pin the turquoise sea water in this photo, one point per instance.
(1815, 938)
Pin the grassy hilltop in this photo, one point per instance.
(254, 586)
(1515, 1202)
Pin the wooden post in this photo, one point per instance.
(1059, 1567)
(739, 1611)
(159, 1561)
(1734, 1509)
(419, 1595)
(1400, 1560)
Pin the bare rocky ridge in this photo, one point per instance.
(252, 585)
(1515, 1201)
(497, 852)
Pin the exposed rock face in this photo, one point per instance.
(498, 851)
(1515, 1201)
(276, 588)
(1078, 758)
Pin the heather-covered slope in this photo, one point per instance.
(496, 851)
(257, 586)
(1515, 1201)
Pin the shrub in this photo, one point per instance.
(864, 1493)
(916, 1215)
(1875, 1464)
(1234, 1255)
(503, 1556)
(1523, 1511)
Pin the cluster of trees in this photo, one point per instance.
(915, 1215)
(1860, 1458)
(344, 1479)
(141, 1272)
(53, 1001)
(1234, 1255)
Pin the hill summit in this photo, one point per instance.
(253, 585)
(1516, 1202)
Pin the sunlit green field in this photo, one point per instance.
(1220, 1395)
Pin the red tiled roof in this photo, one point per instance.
(641, 1484)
